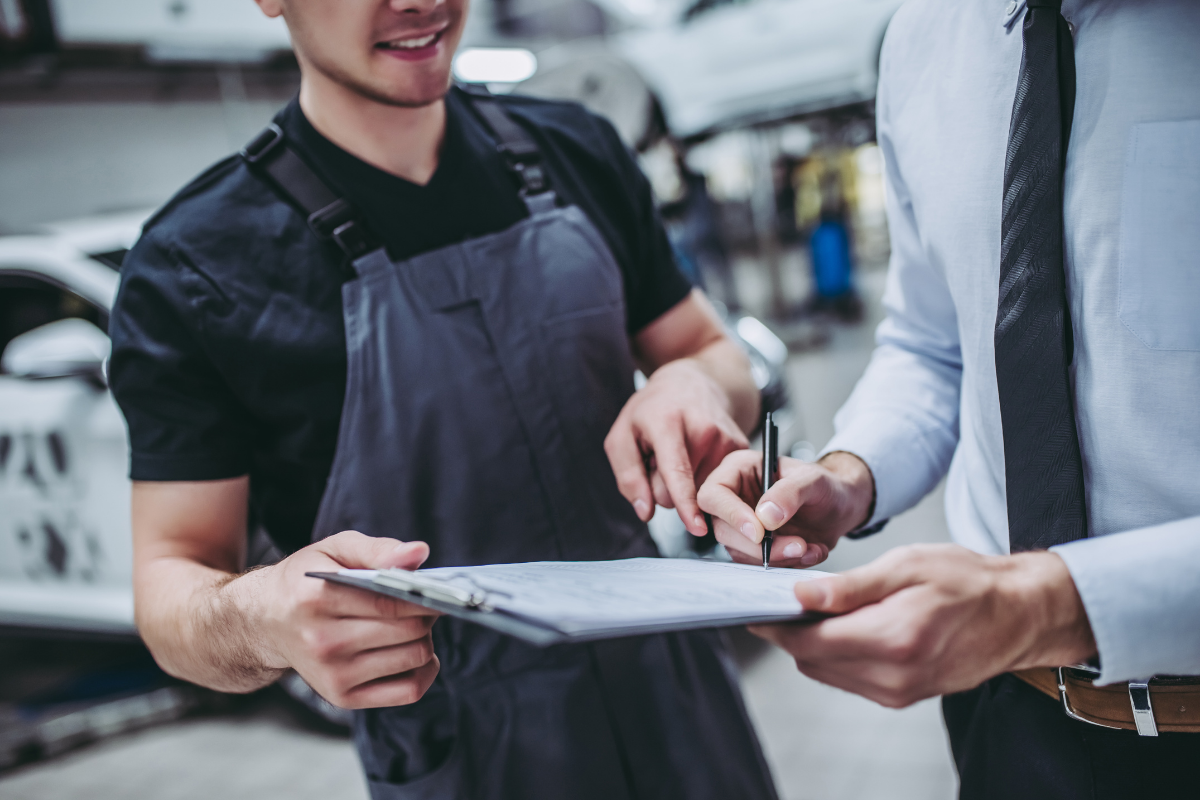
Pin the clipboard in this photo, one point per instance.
(477, 607)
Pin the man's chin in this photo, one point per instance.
(410, 94)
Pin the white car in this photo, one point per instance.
(173, 30)
(716, 64)
(65, 549)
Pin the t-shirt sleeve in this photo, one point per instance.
(184, 422)
(654, 283)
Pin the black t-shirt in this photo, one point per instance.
(229, 353)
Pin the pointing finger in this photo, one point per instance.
(721, 495)
(730, 511)
(629, 468)
(675, 466)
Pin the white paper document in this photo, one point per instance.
(579, 596)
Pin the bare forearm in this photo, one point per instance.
(202, 624)
(727, 365)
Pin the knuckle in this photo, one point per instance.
(902, 690)
(307, 603)
(348, 700)
(389, 607)
(903, 648)
(680, 468)
(407, 691)
(890, 699)
(423, 650)
(897, 556)
(413, 629)
(322, 646)
(631, 476)
(340, 689)
(746, 457)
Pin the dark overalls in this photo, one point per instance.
(482, 380)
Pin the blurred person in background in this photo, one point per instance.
(415, 312)
(1042, 347)
(825, 189)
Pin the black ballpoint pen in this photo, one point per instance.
(770, 448)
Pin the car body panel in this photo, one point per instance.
(56, 261)
(759, 60)
(65, 549)
(184, 29)
(65, 546)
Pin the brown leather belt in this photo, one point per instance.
(1160, 704)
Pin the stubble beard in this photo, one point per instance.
(405, 98)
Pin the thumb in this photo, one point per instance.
(855, 588)
(795, 488)
(354, 550)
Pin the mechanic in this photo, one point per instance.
(1042, 345)
(415, 312)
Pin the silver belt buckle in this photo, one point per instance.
(1139, 701)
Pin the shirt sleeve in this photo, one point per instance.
(902, 417)
(184, 422)
(1141, 592)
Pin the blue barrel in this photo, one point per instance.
(830, 248)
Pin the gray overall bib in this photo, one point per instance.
(482, 380)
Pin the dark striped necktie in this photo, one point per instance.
(1043, 468)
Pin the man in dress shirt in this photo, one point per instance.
(1042, 348)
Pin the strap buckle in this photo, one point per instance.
(1139, 700)
(524, 160)
(519, 152)
(533, 178)
(1066, 703)
(261, 145)
(337, 221)
(353, 240)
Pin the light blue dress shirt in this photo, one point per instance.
(928, 403)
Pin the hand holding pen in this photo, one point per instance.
(798, 518)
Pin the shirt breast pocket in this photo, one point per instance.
(1158, 298)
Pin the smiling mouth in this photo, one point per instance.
(411, 45)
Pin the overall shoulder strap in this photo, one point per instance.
(329, 215)
(521, 153)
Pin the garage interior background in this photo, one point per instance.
(753, 120)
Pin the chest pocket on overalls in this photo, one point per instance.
(584, 326)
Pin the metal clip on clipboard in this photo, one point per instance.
(433, 589)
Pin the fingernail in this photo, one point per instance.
(820, 596)
(748, 531)
(769, 513)
(811, 557)
(793, 550)
(641, 508)
(700, 524)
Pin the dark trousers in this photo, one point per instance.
(1011, 742)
